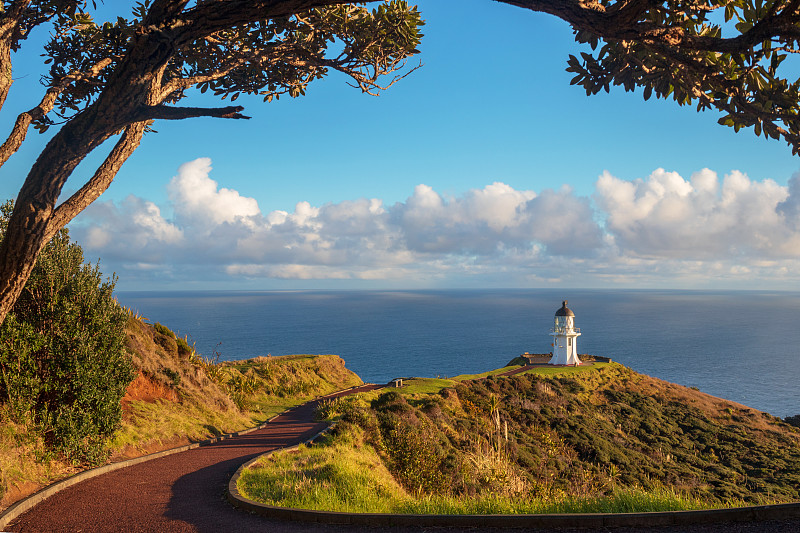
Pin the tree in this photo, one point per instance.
(117, 78)
(120, 77)
(62, 352)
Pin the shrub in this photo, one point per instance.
(62, 356)
(184, 350)
(164, 330)
(167, 344)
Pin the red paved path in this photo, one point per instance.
(179, 492)
(186, 492)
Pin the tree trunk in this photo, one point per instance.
(33, 209)
(6, 78)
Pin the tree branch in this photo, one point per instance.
(179, 113)
(624, 23)
(210, 17)
(99, 182)
(9, 30)
(24, 120)
(164, 10)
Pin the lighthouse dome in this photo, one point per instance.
(564, 311)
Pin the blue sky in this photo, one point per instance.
(483, 168)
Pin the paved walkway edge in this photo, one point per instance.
(24, 505)
(28, 503)
(551, 521)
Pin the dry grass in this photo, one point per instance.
(346, 474)
(24, 462)
(599, 439)
(176, 399)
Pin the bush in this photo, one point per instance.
(62, 355)
(164, 330)
(793, 420)
(184, 350)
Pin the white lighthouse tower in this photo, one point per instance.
(565, 336)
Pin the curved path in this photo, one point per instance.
(180, 492)
(186, 492)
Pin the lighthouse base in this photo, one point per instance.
(563, 358)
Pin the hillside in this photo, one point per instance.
(515, 444)
(177, 397)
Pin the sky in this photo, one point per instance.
(483, 168)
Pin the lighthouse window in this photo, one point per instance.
(569, 342)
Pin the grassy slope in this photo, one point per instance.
(608, 439)
(176, 398)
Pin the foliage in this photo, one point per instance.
(268, 57)
(793, 420)
(341, 475)
(726, 55)
(62, 357)
(118, 77)
(610, 440)
(729, 55)
(334, 408)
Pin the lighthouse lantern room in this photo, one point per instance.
(565, 336)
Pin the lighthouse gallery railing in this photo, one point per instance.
(564, 329)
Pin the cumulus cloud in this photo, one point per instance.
(790, 207)
(135, 226)
(497, 216)
(198, 200)
(668, 216)
(640, 232)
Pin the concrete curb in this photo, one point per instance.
(34, 499)
(552, 521)
(24, 505)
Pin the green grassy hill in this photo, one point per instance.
(611, 437)
(176, 397)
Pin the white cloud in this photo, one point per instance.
(133, 230)
(648, 232)
(790, 207)
(667, 216)
(496, 215)
(197, 198)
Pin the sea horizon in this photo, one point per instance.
(737, 344)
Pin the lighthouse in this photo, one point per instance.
(565, 336)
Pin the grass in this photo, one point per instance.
(261, 383)
(147, 424)
(24, 460)
(622, 501)
(262, 387)
(566, 370)
(177, 397)
(594, 439)
(464, 377)
(345, 474)
(423, 386)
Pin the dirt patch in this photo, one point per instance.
(17, 492)
(148, 390)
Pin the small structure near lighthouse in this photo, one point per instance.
(565, 336)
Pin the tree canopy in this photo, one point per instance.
(113, 80)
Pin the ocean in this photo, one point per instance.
(739, 345)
